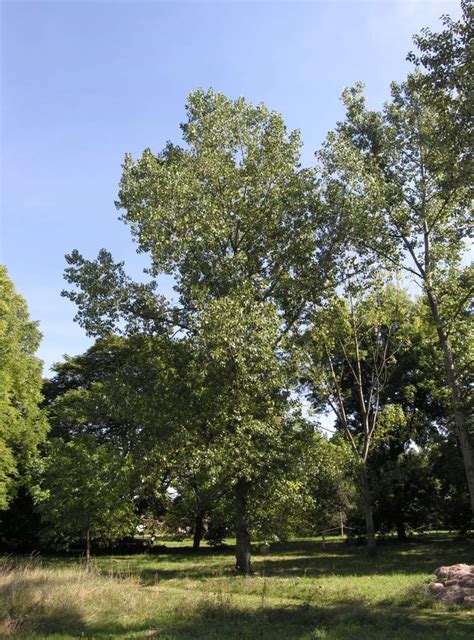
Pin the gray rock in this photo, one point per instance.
(454, 569)
(467, 581)
(453, 595)
(455, 584)
(436, 588)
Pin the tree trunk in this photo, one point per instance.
(198, 529)
(401, 531)
(367, 507)
(460, 418)
(88, 547)
(242, 547)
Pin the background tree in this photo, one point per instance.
(132, 393)
(22, 424)
(350, 355)
(314, 494)
(88, 496)
(406, 493)
(406, 172)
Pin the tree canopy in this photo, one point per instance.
(22, 423)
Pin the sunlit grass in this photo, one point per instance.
(300, 591)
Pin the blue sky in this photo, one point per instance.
(85, 82)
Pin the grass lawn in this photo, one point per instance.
(300, 592)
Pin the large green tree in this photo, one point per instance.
(22, 424)
(235, 220)
(406, 173)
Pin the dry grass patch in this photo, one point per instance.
(36, 598)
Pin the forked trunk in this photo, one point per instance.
(242, 548)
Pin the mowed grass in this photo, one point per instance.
(300, 592)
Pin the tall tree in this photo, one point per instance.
(406, 172)
(22, 424)
(236, 221)
(351, 348)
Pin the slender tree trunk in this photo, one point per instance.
(242, 547)
(367, 507)
(198, 529)
(401, 531)
(88, 547)
(459, 412)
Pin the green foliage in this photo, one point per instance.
(110, 302)
(238, 223)
(133, 393)
(407, 173)
(313, 493)
(87, 492)
(236, 341)
(406, 492)
(403, 178)
(22, 424)
(350, 352)
(447, 59)
(231, 209)
(447, 475)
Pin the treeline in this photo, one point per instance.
(201, 413)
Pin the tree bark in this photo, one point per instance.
(459, 412)
(198, 530)
(401, 531)
(367, 507)
(242, 548)
(88, 547)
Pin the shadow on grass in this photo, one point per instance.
(59, 619)
(223, 617)
(305, 558)
(342, 622)
(305, 622)
(343, 560)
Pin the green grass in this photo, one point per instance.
(299, 592)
